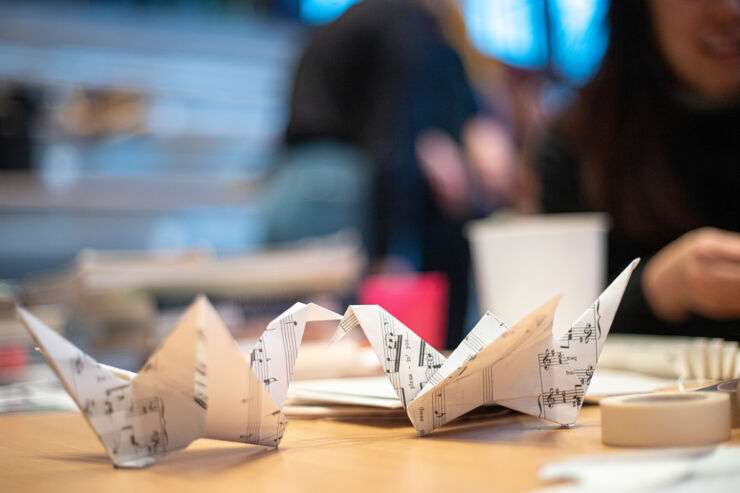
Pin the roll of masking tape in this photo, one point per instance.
(667, 419)
(731, 388)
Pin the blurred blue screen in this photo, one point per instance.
(579, 36)
(320, 11)
(516, 31)
(513, 31)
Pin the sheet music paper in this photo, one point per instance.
(528, 367)
(197, 384)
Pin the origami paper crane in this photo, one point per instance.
(529, 367)
(196, 384)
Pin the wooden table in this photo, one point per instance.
(59, 452)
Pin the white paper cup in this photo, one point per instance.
(522, 261)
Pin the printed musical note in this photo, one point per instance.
(550, 358)
(555, 396)
(565, 340)
(584, 374)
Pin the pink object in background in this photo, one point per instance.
(419, 301)
(13, 362)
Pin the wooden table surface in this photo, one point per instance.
(57, 451)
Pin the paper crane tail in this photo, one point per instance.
(136, 420)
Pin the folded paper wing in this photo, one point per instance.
(528, 367)
(246, 397)
(196, 384)
(478, 379)
(565, 361)
(408, 361)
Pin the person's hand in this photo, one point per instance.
(443, 165)
(492, 156)
(697, 273)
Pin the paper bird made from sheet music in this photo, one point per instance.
(196, 384)
(529, 367)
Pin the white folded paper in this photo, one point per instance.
(671, 470)
(196, 384)
(529, 367)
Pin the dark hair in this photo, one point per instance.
(617, 129)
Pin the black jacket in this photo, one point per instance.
(704, 150)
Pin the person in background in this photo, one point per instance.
(380, 107)
(653, 140)
(17, 111)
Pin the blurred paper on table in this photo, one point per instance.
(687, 358)
(40, 392)
(529, 367)
(342, 411)
(328, 264)
(197, 384)
(607, 382)
(365, 391)
(357, 398)
(696, 469)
